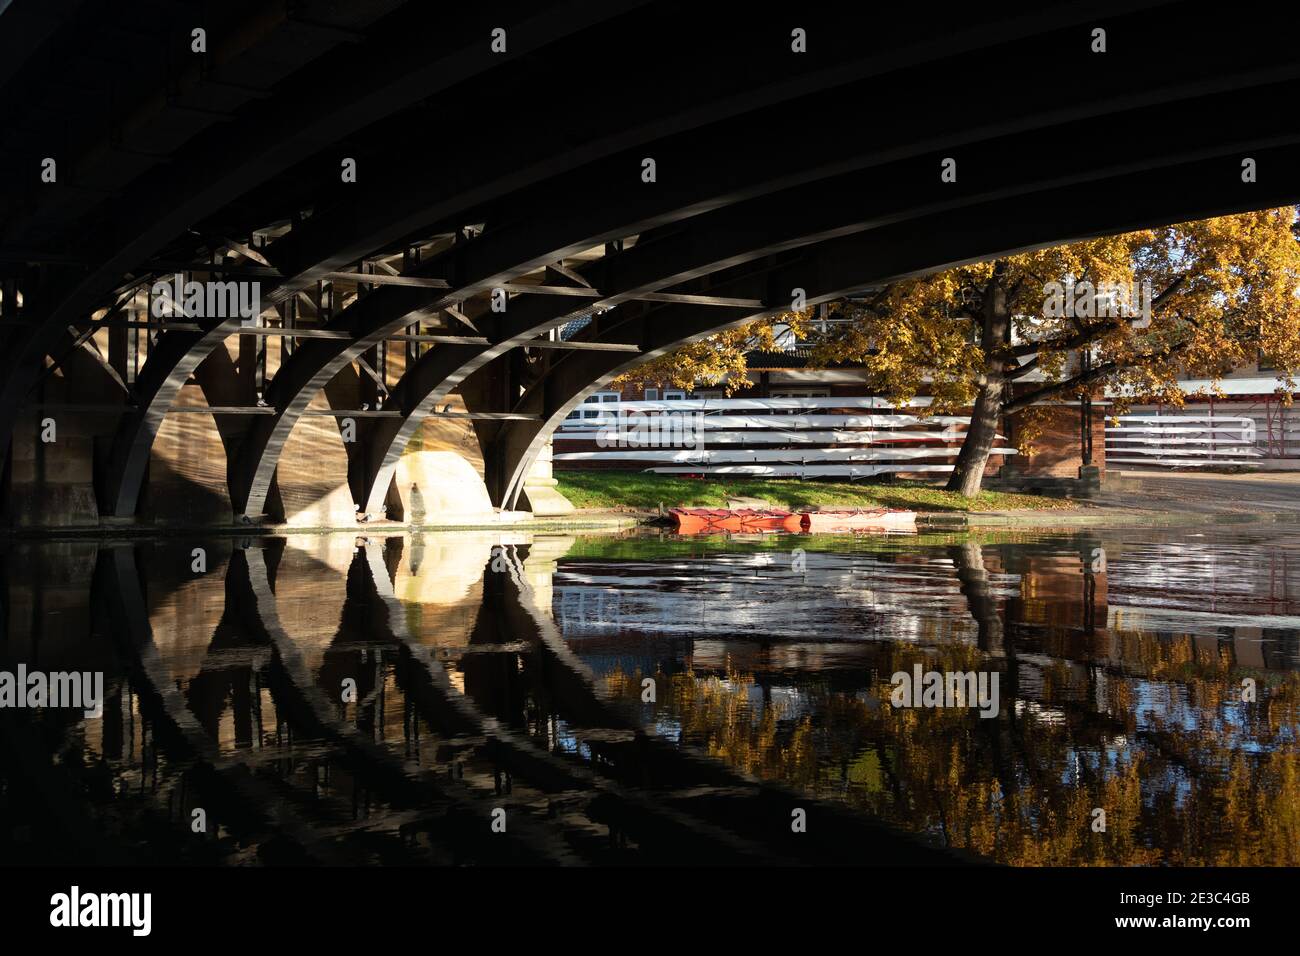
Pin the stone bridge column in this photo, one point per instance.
(540, 487)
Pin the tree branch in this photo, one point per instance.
(1086, 334)
(1168, 291)
(1099, 371)
(1024, 368)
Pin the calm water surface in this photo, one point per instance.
(368, 700)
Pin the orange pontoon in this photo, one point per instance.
(746, 521)
(716, 520)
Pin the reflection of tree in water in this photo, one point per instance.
(1185, 773)
(717, 714)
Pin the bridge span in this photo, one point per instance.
(425, 194)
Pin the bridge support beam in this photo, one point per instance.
(840, 266)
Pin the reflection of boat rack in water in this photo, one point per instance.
(766, 593)
(725, 800)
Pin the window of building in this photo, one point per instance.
(652, 394)
(600, 398)
(802, 393)
(674, 395)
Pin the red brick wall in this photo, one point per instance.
(1055, 451)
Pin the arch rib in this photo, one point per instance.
(844, 265)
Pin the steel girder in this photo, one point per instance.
(590, 227)
(401, 205)
(837, 267)
(746, 76)
(366, 223)
(397, 72)
(841, 205)
(363, 231)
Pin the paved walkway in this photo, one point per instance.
(1274, 493)
(1156, 498)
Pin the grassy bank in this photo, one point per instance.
(640, 491)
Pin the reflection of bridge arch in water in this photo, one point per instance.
(280, 789)
(456, 718)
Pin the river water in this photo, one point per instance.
(642, 698)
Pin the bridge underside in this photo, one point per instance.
(421, 202)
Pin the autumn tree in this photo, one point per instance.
(1010, 335)
(1203, 298)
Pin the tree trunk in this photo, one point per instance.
(968, 473)
(973, 577)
